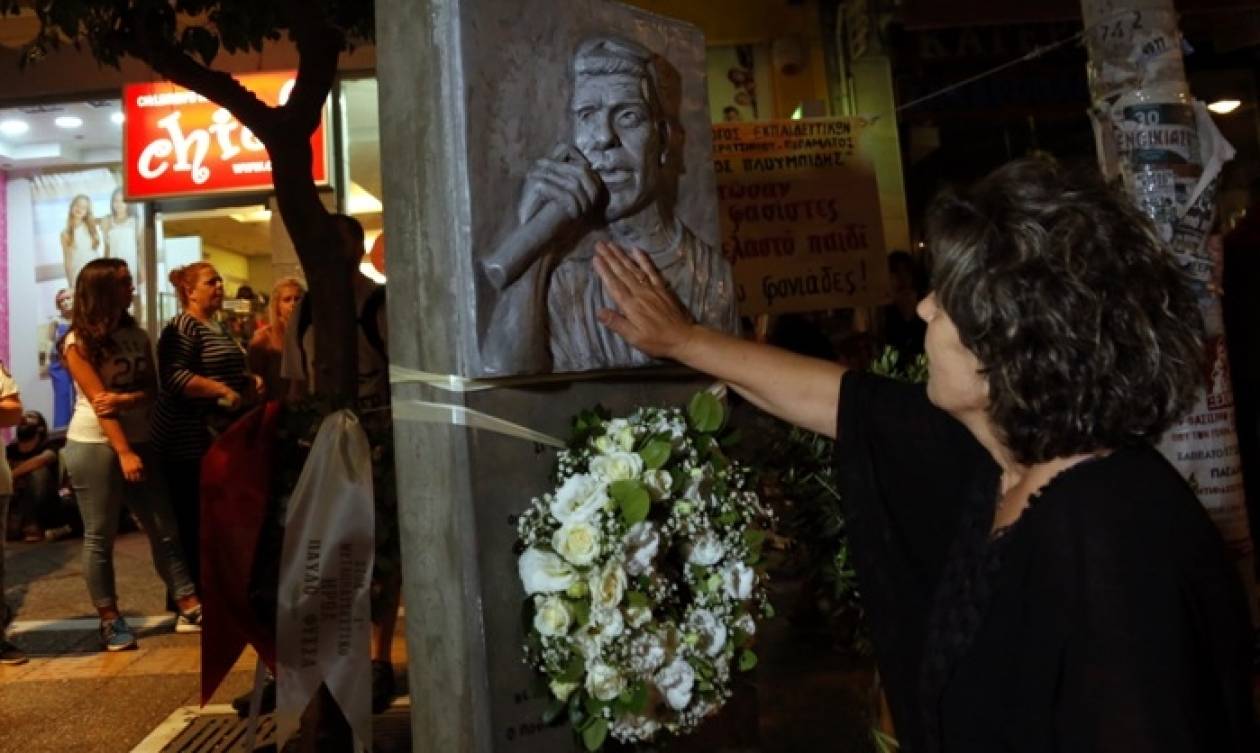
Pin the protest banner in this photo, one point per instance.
(800, 215)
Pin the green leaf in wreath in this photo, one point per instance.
(731, 438)
(705, 413)
(593, 705)
(637, 599)
(655, 454)
(632, 499)
(754, 539)
(747, 660)
(555, 710)
(594, 735)
(581, 610)
(633, 699)
(574, 670)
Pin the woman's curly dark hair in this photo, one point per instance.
(1085, 326)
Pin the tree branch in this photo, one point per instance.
(319, 46)
(148, 43)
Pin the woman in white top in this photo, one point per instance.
(122, 231)
(107, 446)
(81, 240)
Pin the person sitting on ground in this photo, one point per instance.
(1037, 576)
(10, 414)
(108, 451)
(36, 480)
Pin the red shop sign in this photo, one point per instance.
(178, 143)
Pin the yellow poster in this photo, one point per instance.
(800, 215)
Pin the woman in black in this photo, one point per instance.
(1038, 578)
(204, 384)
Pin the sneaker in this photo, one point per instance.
(10, 654)
(190, 621)
(57, 534)
(382, 686)
(116, 635)
(267, 703)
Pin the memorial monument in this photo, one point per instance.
(516, 133)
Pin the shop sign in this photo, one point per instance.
(800, 215)
(178, 143)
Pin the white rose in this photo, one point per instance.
(617, 466)
(622, 433)
(647, 653)
(710, 631)
(562, 690)
(746, 625)
(544, 572)
(605, 445)
(658, 484)
(642, 542)
(675, 682)
(589, 643)
(638, 616)
(577, 541)
(578, 498)
(604, 681)
(552, 616)
(738, 579)
(609, 622)
(607, 586)
(705, 550)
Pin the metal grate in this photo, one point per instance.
(219, 733)
(190, 730)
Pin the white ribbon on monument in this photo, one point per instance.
(323, 623)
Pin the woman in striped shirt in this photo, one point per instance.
(205, 384)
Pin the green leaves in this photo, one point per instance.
(632, 500)
(574, 670)
(747, 660)
(594, 735)
(754, 540)
(655, 454)
(705, 413)
(633, 699)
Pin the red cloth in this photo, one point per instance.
(235, 492)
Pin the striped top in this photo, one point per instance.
(188, 348)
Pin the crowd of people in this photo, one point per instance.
(135, 436)
(143, 418)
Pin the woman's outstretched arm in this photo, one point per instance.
(800, 390)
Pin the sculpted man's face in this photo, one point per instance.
(614, 129)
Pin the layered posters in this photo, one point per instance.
(800, 215)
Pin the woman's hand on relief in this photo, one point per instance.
(132, 467)
(107, 403)
(649, 315)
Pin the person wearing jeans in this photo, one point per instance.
(108, 451)
(10, 414)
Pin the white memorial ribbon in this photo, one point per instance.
(323, 621)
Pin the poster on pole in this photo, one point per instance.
(800, 215)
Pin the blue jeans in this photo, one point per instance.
(99, 485)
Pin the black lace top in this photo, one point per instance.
(1107, 618)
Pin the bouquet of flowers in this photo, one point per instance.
(639, 570)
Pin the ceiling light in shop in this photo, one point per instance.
(1224, 106)
(117, 118)
(68, 121)
(13, 127)
(257, 214)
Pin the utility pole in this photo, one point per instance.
(1162, 146)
